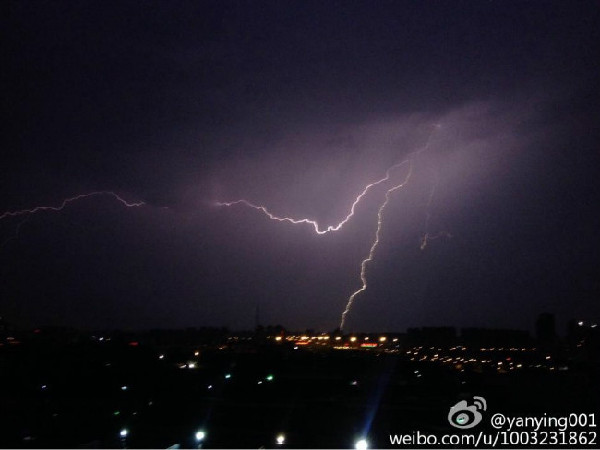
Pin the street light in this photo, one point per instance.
(361, 444)
(200, 435)
(280, 439)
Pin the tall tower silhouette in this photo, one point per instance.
(257, 316)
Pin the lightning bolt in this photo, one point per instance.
(311, 222)
(432, 237)
(369, 258)
(332, 228)
(357, 200)
(66, 202)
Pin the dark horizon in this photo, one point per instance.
(561, 329)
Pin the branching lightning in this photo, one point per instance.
(357, 200)
(331, 228)
(66, 202)
(314, 223)
(321, 231)
(369, 258)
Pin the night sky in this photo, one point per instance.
(297, 105)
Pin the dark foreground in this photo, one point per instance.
(84, 393)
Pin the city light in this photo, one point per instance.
(280, 439)
(361, 444)
(200, 435)
(123, 433)
(353, 339)
(227, 376)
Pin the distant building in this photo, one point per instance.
(489, 337)
(545, 329)
(440, 336)
(583, 338)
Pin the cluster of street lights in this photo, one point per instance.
(200, 436)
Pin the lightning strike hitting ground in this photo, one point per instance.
(65, 202)
(331, 228)
(369, 258)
